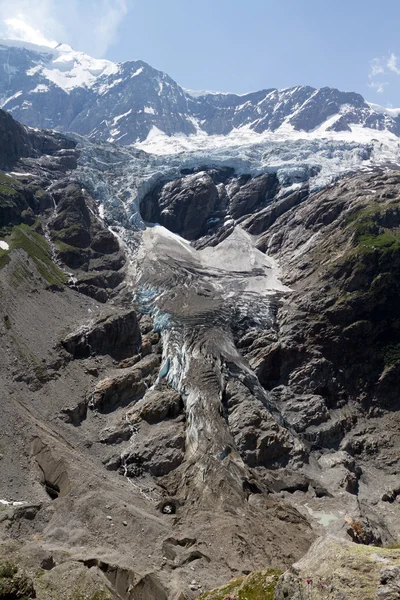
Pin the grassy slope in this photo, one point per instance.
(36, 246)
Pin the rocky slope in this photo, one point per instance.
(199, 371)
(66, 90)
(331, 569)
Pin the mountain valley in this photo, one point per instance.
(200, 349)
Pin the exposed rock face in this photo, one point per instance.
(183, 205)
(17, 141)
(253, 195)
(123, 386)
(258, 437)
(45, 187)
(199, 204)
(116, 334)
(53, 470)
(336, 569)
(82, 241)
(356, 243)
(156, 406)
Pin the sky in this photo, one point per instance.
(230, 45)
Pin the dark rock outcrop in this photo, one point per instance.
(253, 195)
(357, 247)
(157, 405)
(183, 205)
(17, 141)
(126, 385)
(116, 334)
(196, 205)
(83, 243)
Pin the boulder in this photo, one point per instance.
(116, 334)
(157, 405)
(125, 386)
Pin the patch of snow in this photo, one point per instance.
(201, 93)
(119, 117)
(76, 69)
(106, 87)
(294, 155)
(34, 70)
(149, 110)
(4, 245)
(6, 503)
(136, 73)
(391, 112)
(13, 97)
(18, 174)
(65, 67)
(241, 106)
(40, 89)
(28, 46)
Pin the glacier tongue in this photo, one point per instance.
(198, 298)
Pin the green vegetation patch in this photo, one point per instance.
(13, 584)
(74, 236)
(101, 595)
(371, 227)
(6, 184)
(223, 592)
(383, 240)
(259, 585)
(392, 354)
(4, 258)
(8, 570)
(35, 245)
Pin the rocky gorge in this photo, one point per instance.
(199, 375)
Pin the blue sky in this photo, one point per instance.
(232, 45)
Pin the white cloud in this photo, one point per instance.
(17, 29)
(392, 64)
(376, 67)
(383, 72)
(87, 25)
(111, 14)
(34, 22)
(378, 86)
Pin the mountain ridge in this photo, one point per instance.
(59, 88)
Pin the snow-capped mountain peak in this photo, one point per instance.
(61, 65)
(131, 102)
